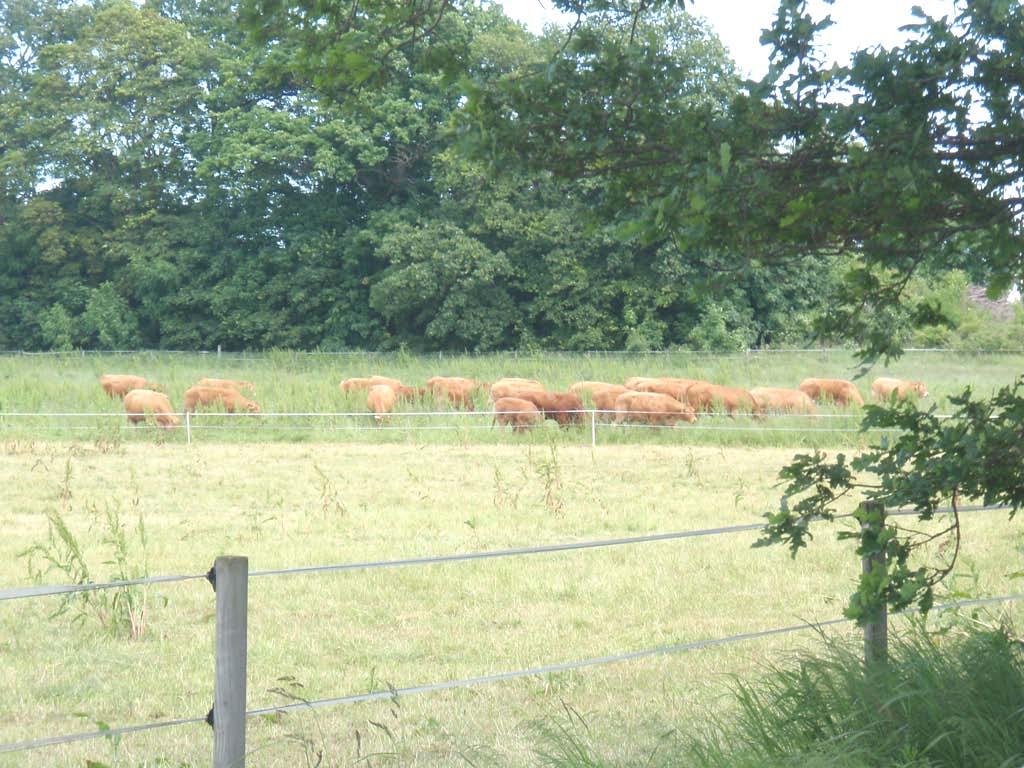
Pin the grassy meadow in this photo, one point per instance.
(139, 501)
(307, 383)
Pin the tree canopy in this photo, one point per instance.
(173, 179)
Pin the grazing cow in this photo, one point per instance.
(228, 384)
(517, 380)
(589, 386)
(883, 388)
(120, 384)
(706, 397)
(782, 400)
(514, 388)
(676, 388)
(229, 398)
(350, 385)
(380, 399)
(651, 408)
(516, 412)
(139, 402)
(635, 382)
(564, 407)
(458, 391)
(403, 392)
(604, 399)
(840, 391)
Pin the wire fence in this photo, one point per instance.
(673, 648)
(586, 420)
(243, 355)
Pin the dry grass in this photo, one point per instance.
(287, 505)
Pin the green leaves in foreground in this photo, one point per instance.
(976, 453)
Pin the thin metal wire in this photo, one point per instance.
(542, 670)
(17, 593)
(20, 593)
(896, 512)
(515, 551)
(595, 661)
(456, 413)
(241, 356)
(53, 741)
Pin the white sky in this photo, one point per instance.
(859, 23)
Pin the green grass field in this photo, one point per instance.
(387, 495)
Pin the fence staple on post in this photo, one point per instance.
(876, 632)
(231, 582)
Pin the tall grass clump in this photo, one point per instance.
(952, 700)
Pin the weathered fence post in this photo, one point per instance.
(188, 428)
(231, 582)
(876, 633)
(218, 350)
(593, 428)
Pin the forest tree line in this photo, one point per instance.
(170, 180)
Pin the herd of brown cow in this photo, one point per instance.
(522, 403)
(143, 397)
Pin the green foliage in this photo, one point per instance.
(108, 321)
(712, 334)
(975, 453)
(444, 287)
(56, 328)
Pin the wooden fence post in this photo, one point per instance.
(231, 582)
(593, 428)
(188, 428)
(876, 633)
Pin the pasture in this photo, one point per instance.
(307, 383)
(312, 498)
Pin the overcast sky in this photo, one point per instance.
(859, 23)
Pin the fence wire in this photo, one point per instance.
(18, 593)
(483, 679)
(53, 741)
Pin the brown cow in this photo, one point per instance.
(516, 412)
(651, 408)
(517, 380)
(840, 391)
(380, 399)
(883, 388)
(229, 398)
(456, 390)
(514, 388)
(139, 402)
(349, 385)
(672, 387)
(403, 392)
(782, 400)
(635, 382)
(120, 384)
(228, 384)
(564, 407)
(589, 386)
(604, 399)
(706, 397)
